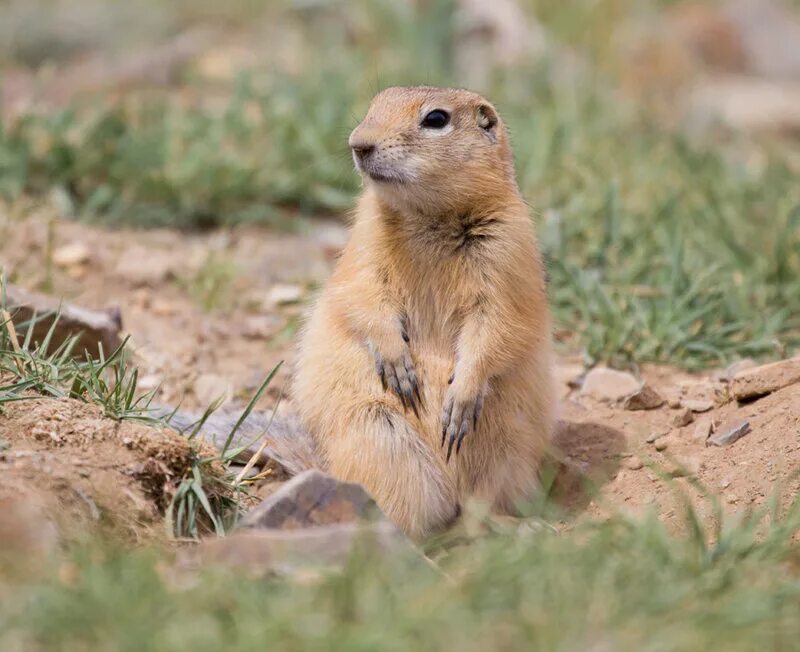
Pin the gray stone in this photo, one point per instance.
(728, 434)
(313, 499)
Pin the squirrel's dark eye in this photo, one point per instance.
(436, 119)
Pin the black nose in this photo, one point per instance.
(363, 150)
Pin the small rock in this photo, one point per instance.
(697, 406)
(645, 399)
(310, 499)
(72, 254)
(633, 463)
(765, 379)
(662, 444)
(606, 384)
(728, 434)
(702, 430)
(725, 484)
(683, 418)
(282, 294)
(653, 436)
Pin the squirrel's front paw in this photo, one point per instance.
(462, 410)
(398, 374)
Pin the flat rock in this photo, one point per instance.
(313, 499)
(729, 433)
(762, 380)
(697, 405)
(96, 327)
(646, 398)
(606, 384)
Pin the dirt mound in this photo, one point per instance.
(646, 459)
(66, 470)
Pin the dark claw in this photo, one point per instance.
(408, 394)
(461, 434)
(446, 416)
(450, 446)
(395, 385)
(412, 379)
(415, 387)
(477, 415)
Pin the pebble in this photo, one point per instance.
(697, 406)
(662, 444)
(655, 435)
(633, 463)
(683, 418)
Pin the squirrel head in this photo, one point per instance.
(433, 150)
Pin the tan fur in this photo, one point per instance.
(445, 252)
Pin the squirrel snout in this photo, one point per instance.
(362, 146)
(362, 150)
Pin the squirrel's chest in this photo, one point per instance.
(434, 308)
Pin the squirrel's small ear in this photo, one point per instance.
(487, 121)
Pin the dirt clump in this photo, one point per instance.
(68, 469)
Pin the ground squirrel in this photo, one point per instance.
(424, 371)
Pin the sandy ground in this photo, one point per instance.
(212, 313)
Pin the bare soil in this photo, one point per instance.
(201, 337)
(66, 470)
